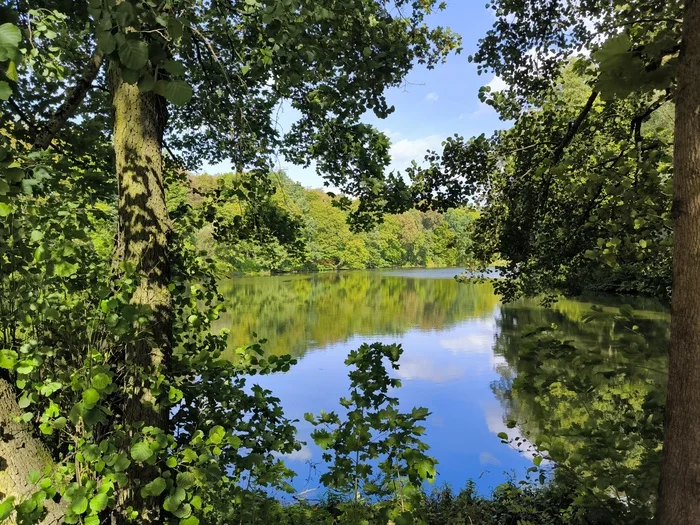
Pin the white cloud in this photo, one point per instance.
(493, 413)
(472, 344)
(432, 97)
(393, 135)
(486, 458)
(406, 150)
(304, 454)
(497, 84)
(427, 371)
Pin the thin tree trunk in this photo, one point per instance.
(21, 453)
(142, 241)
(679, 489)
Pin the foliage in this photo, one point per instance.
(577, 192)
(69, 318)
(289, 228)
(594, 213)
(375, 451)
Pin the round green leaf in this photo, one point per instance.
(154, 488)
(10, 34)
(133, 54)
(79, 505)
(101, 381)
(5, 90)
(91, 396)
(99, 502)
(141, 451)
(172, 502)
(178, 92)
(174, 67)
(185, 480)
(106, 42)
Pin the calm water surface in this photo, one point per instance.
(460, 354)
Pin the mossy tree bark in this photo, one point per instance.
(142, 243)
(21, 453)
(679, 495)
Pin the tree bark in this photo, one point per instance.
(21, 453)
(142, 242)
(679, 489)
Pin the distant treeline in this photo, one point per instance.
(297, 229)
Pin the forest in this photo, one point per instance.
(321, 238)
(134, 358)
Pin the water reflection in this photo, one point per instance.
(298, 313)
(465, 359)
(590, 391)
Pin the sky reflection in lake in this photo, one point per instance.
(448, 331)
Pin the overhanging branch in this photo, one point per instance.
(75, 97)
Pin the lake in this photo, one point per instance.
(465, 359)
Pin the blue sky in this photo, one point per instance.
(432, 105)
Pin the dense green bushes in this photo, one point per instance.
(509, 504)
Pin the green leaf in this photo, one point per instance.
(171, 462)
(65, 269)
(11, 72)
(5, 90)
(10, 34)
(154, 488)
(133, 54)
(502, 435)
(192, 520)
(99, 502)
(178, 92)
(6, 508)
(122, 463)
(101, 381)
(92, 520)
(185, 480)
(216, 435)
(172, 502)
(130, 76)
(183, 511)
(8, 358)
(537, 460)
(5, 209)
(174, 67)
(106, 42)
(141, 451)
(79, 505)
(146, 83)
(91, 396)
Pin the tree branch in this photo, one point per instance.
(573, 128)
(23, 116)
(73, 100)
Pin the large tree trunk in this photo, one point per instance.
(20, 453)
(679, 494)
(142, 241)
